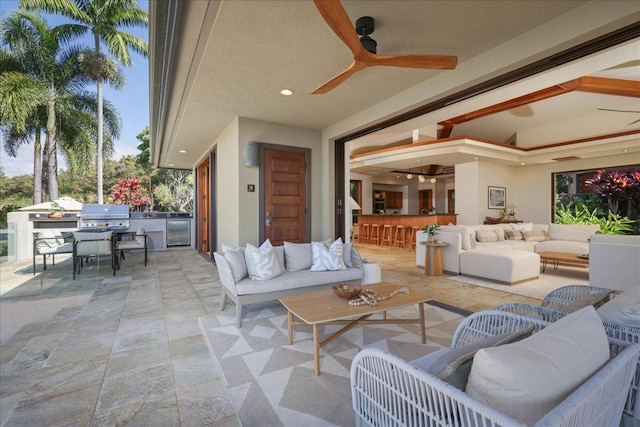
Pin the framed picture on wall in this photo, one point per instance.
(497, 198)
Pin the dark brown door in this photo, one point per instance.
(202, 214)
(425, 200)
(285, 196)
(451, 197)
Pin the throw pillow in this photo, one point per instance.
(298, 256)
(140, 236)
(534, 236)
(49, 241)
(328, 259)
(489, 235)
(527, 379)
(236, 260)
(347, 255)
(513, 235)
(453, 365)
(262, 262)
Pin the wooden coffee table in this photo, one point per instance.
(325, 308)
(563, 258)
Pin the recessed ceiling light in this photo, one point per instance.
(182, 151)
(625, 151)
(170, 164)
(286, 92)
(522, 164)
(475, 158)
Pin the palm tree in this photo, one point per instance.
(40, 88)
(103, 18)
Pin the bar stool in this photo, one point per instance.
(363, 234)
(412, 242)
(376, 228)
(387, 235)
(399, 238)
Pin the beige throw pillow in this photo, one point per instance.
(488, 236)
(534, 236)
(513, 235)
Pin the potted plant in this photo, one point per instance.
(432, 231)
(56, 211)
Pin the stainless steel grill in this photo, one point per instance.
(111, 217)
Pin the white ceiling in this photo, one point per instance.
(233, 57)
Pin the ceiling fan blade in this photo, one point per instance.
(340, 78)
(619, 111)
(336, 17)
(435, 62)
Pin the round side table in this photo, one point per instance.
(433, 258)
(371, 273)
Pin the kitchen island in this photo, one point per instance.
(406, 221)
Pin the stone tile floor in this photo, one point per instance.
(127, 349)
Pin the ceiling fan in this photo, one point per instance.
(622, 111)
(364, 49)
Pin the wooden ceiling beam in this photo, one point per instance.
(605, 86)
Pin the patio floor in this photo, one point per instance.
(127, 350)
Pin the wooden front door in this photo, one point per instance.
(425, 200)
(285, 196)
(202, 213)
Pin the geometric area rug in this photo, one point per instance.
(273, 384)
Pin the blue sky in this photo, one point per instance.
(132, 101)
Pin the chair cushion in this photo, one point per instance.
(46, 242)
(453, 365)
(623, 309)
(262, 262)
(93, 243)
(328, 258)
(140, 236)
(527, 379)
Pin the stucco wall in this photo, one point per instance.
(228, 186)
(286, 136)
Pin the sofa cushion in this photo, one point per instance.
(495, 235)
(534, 236)
(236, 260)
(297, 279)
(262, 262)
(328, 259)
(298, 256)
(572, 232)
(453, 365)
(527, 379)
(567, 246)
(525, 226)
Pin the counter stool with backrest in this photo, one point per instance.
(412, 241)
(399, 237)
(363, 235)
(374, 239)
(387, 234)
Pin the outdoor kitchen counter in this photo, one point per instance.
(155, 224)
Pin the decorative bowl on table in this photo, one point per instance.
(346, 291)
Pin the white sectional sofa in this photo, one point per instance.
(296, 275)
(528, 237)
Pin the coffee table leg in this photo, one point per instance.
(290, 326)
(422, 327)
(316, 349)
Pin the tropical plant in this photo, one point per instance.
(431, 230)
(101, 18)
(617, 185)
(610, 224)
(130, 192)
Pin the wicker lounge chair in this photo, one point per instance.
(388, 391)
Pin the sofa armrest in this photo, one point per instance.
(224, 271)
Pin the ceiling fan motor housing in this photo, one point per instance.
(365, 26)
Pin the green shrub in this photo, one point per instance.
(611, 224)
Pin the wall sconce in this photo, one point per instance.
(251, 153)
